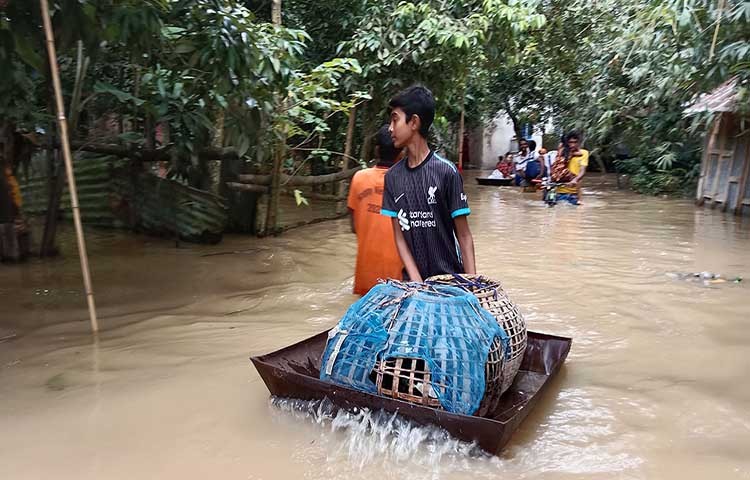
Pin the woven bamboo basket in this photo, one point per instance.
(500, 370)
(407, 379)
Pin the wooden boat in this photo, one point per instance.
(293, 372)
(495, 182)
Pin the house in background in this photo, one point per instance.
(725, 163)
(487, 143)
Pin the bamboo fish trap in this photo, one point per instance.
(500, 370)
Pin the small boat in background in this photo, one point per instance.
(495, 182)
(293, 372)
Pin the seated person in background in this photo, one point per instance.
(533, 163)
(570, 167)
(504, 167)
(519, 161)
(527, 168)
(377, 256)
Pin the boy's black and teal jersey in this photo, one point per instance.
(425, 200)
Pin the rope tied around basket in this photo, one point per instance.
(466, 282)
(410, 289)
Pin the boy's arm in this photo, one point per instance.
(579, 176)
(403, 251)
(466, 242)
(584, 164)
(458, 205)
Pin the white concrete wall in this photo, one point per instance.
(498, 139)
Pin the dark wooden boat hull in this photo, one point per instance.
(495, 182)
(293, 372)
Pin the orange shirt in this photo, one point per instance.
(377, 256)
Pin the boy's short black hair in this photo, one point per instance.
(532, 145)
(387, 151)
(416, 100)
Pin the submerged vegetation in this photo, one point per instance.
(302, 89)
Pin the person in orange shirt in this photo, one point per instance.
(377, 256)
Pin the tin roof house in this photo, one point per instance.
(725, 163)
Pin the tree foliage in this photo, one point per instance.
(187, 66)
(623, 73)
(218, 73)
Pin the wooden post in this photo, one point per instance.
(278, 153)
(56, 181)
(47, 246)
(461, 136)
(349, 138)
(367, 134)
(275, 188)
(340, 186)
(67, 156)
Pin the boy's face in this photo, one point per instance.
(401, 130)
(524, 146)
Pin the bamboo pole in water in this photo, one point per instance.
(65, 142)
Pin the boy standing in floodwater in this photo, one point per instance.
(376, 249)
(424, 195)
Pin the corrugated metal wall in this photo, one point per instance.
(94, 182)
(112, 194)
(725, 168)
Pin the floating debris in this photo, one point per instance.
(57, 383)
(706, 278)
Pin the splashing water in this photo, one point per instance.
(386, 439)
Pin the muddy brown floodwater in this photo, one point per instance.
(654, 387)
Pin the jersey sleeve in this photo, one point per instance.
(389, 205)
(351, 201)
(457, 201)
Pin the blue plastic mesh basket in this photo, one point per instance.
(423, 344)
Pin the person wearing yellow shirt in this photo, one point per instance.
(570, 169)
